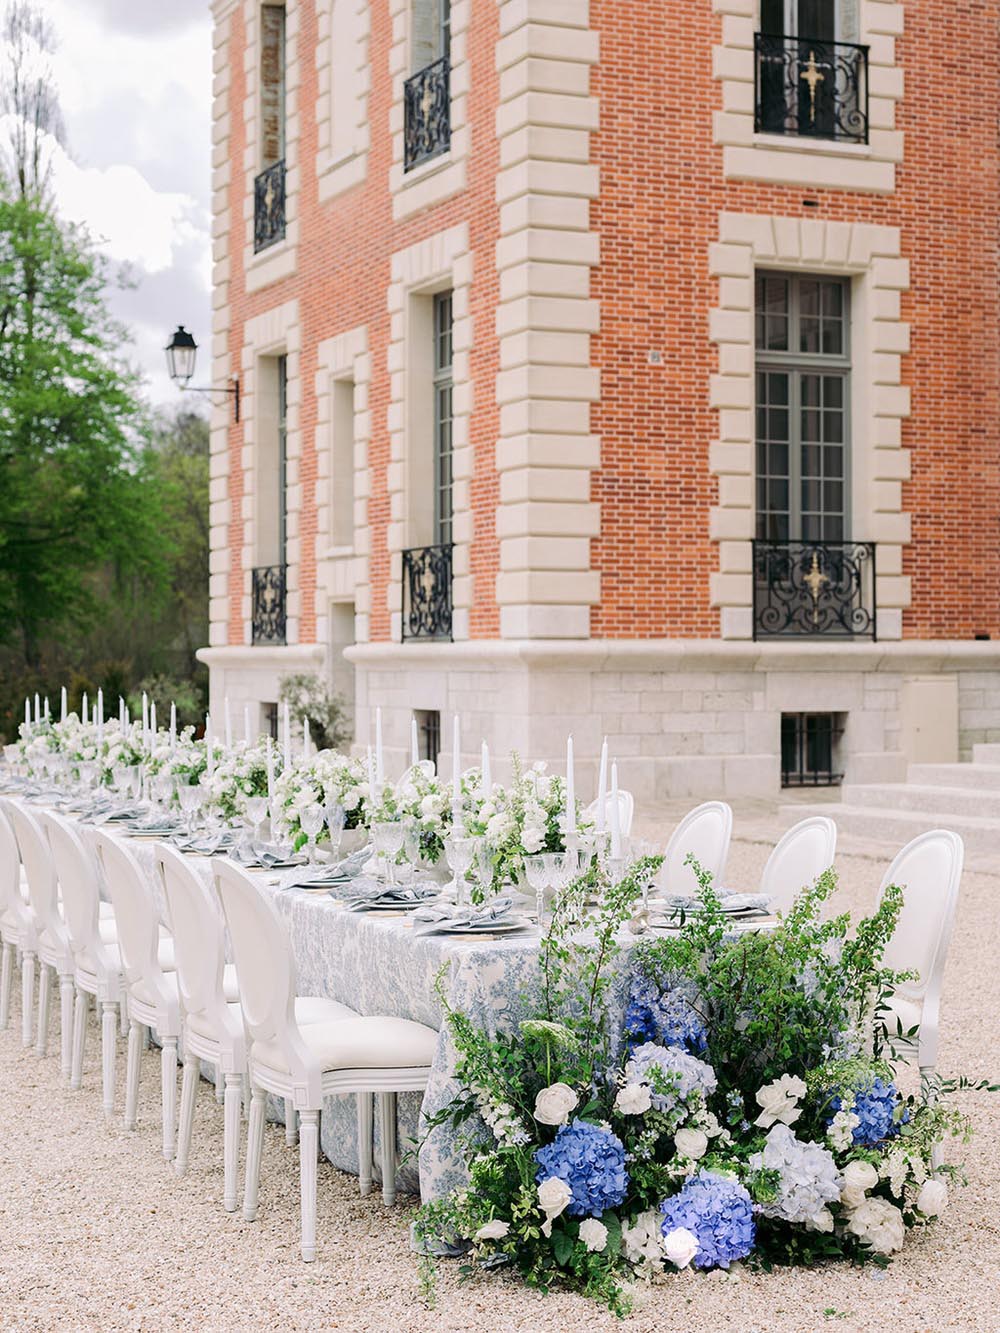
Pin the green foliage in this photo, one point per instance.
(76, 494)
(310, 699)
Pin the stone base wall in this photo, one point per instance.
(684, 718)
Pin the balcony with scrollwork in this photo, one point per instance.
(269, 207)
(810, 89)
(268, 614)
(427, 114)
(427, 577)
(814, 590)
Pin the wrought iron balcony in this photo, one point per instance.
(821, 589)
(812, 89)
(268, 623)
(269, 207)
(427, 99)
(427, 592)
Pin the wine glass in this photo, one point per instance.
(163, 790)
(311, 820)
(537, 874)
(411, 848)
(256, 812)
(459, 852)
(485, 869)
(388, 839)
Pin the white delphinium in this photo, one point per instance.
(808, 1177)
(840, 1135)
(642, 1239)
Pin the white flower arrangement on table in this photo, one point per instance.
(523, 818)
(743, 1112)
(237, 775)
(422, 799)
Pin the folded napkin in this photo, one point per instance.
(261, 855)
(729, 902)
(202, 846)
(313, 876)
(362, 894)
(445, 916)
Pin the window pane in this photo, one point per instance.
(772, 313)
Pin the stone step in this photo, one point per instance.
(986, 753)
(979, 777)
(895, 828)
(934, 800)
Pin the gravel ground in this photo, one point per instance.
(97, 1233)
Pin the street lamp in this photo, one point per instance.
(181, 352)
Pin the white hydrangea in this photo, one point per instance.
(809, 1179)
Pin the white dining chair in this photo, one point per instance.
(153, 1001)
(17, 931)
(97, 961)
(307, 1062)
(213, 1026)
(800, 857)
(929, 871)
(52, 947)
(626, 810)
(704, 832)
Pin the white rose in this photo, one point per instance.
(634, 1099)
(554, 1104)
(879, 1225)
(594, 1234)
(495, 1230)
(933, 1198)
(691, 1143)
(680, 1246)
(553, 1198)
(858, 1178)
(779, 1101)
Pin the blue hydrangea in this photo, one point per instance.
(719, 1213)
(685, 1072)
(666, 1016)
(591, 1161)
(874, 1106)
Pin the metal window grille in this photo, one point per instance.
(810, 749)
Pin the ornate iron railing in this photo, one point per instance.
(814, 588)
(269, 207)
(810, 88)
(427, 592)
(268, 616)
(427, 127)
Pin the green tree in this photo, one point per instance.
(76, 490)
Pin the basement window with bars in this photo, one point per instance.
(428, 733)
(810, 749)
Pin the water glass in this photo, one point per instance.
(537, 874)
(190, 794)
(411, 848)
(336, 820)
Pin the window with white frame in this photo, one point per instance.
(443, 440)
(803, 368)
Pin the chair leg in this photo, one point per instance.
(255, 1141)
(291, 1130)
(6, 983)
(387, 1118)
(135, 1033)
(44, 991)
(308, 1148)
(231, 1139)
(365, 1126)
(189, 1090)
(927, 1088)
(123, 1019)
(220, 1085)
(66, 991)
(79, 1037)
(168, 1090)
(109, 1039)
(245, 1085)
(27, 995)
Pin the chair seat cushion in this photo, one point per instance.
(357, 1043)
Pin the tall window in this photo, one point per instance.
(443, 451)
(272, 84)
(431, 32)
(282, 459)
(803, 396)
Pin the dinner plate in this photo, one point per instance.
(498, 928)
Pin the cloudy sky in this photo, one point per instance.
(134, 82)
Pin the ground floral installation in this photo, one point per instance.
(746, 1110)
